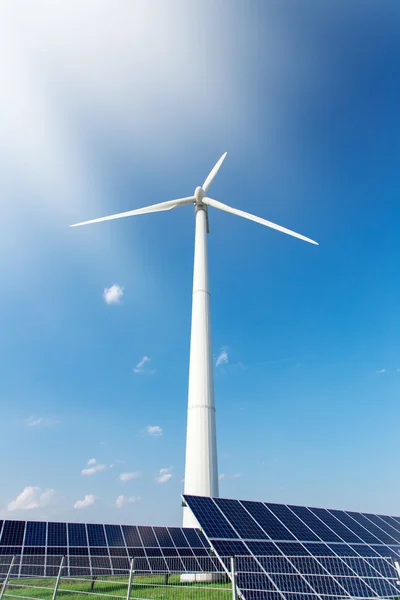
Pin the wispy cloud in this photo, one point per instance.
(32, 497)
(94, 469)
(122, 501)
(154, 430)
(381, 371)
(141, 366)
(34, 421)
(113, 294)
(91, 461)
(116, 463)
(222, 358)
(129, 476)
(164, 475)
(229, 476)
(88, 500)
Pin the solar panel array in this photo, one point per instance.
(100, 546)
(363, 546)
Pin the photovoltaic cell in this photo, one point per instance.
(35, 533)
(98, 551)
(57, 534)
(318, 549)
(163, 537)
(322, 530)
(96, 535)
(230, 548)
(245, 525)
(114, 535)
(77, 534)
(385, 526)
(392, 521)
(208, 514)
(178, 537)
(268, 521)
(13, 533)
(147, 536)
(34, 550)
(355, 527)
(263, 548)
(293, 523)
(337, 526)
(131, 535)
(344, 549)
(291, 548)
(369, 526)
(194, 539)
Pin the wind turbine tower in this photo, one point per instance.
(201, 468)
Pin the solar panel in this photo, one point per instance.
(96, 547)
(298, 552)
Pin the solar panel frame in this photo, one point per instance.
(329, 538)
(100, 546)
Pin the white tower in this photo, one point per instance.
(201, 471)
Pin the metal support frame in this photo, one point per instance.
(5, 582)
(58, 579)
(233, 577)
(397, 567)
(131, 573)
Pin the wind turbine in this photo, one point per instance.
(201, 471)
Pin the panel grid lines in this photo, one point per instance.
(385, 526)
(318, 559)
(100, 546)
(372, 528)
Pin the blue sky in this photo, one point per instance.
(107, 107)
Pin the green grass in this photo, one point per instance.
(151, 587)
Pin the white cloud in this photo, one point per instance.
(129, 476)
(154, 430)
(229, 476)
(140, 367)
(164, 475)
(113, 294)
(41, 421)
(121, 501)
(222, 358)
(381, 371)
(32, 497)
(93, 470)
(87, 501)
(33, 422)
(92, 461)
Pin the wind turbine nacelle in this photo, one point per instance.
(199, 194)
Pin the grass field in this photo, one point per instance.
(150, 587)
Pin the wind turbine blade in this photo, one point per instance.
(141, 211)
(213, 172)
(245, 215)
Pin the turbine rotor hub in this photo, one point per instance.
(199, 195)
